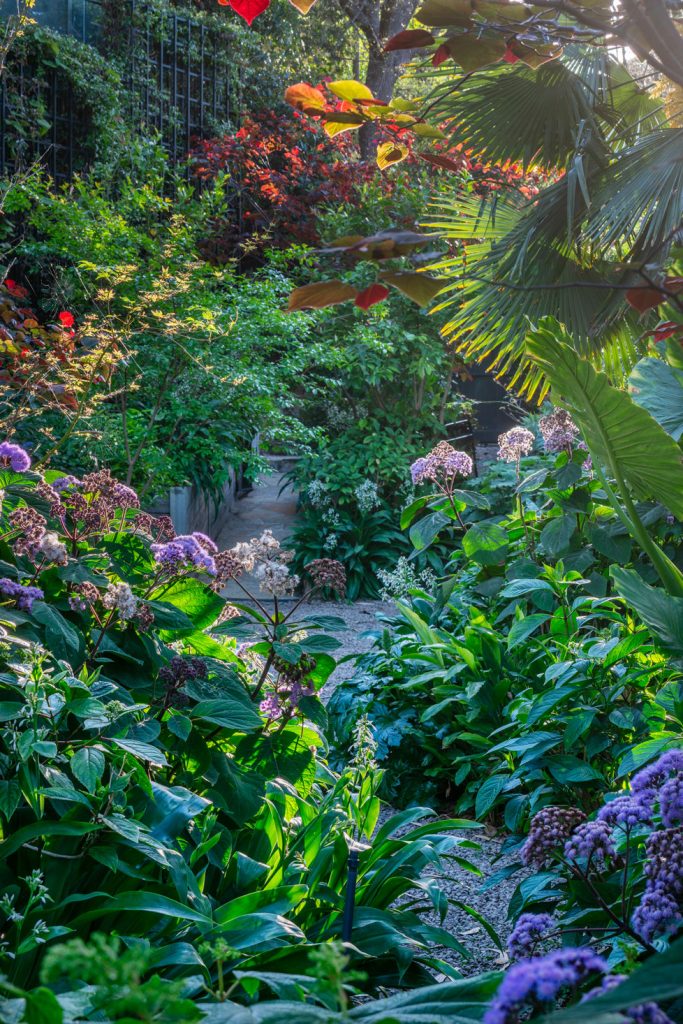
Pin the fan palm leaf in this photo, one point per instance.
(569, 253)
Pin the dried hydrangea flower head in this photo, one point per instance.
(328, 572)
(515, 443)
(443, 465)
(119, 598)
(559, 432)
(14, 456)
(550, 829)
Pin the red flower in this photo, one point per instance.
(66, 319)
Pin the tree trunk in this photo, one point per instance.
(379, 22)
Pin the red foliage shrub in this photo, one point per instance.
(282, 168)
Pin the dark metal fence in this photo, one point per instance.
(178, 77)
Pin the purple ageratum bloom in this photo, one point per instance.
(559, 431)
(529, 930)
(15, 456)
(671, 801)
(183, 551)
(661, 909)
(625, 812)
(549, 831)
(590, 841)
(205, 542)
(646, 783)
(420, 471)
(541, 980)
(646, 1013)
(65, 483)
(23, 596)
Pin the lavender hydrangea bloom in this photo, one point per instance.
(15, 456)
(515, 443)
(23, 596)
(443, 462)
(590, 841)
(541, 980)
(529, 930)
(661, 909)
(65, 483)
(646, 1013)
(625, 812)
(549, 830)
(559, 431)
(184, 550)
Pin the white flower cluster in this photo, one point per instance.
(52, 549)
(399, 581)
(119, 597)
(367, 497)
(265, 558)
(318, 494)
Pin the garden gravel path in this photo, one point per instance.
(272, 506)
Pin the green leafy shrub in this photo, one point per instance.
(159, 781)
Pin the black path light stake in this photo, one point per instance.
(350, 897)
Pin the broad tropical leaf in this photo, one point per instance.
(620, 434)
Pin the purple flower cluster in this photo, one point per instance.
(22, 596)
(14, 456)
(590, 841)
(540, 981)
(646, 785)
(529, 930)
(515, 443)
(661, 909)
(625, 812)
(443, 462)
(192, 549)
(558, 430)
(549, 831)
(646, 1013)
(671, 801)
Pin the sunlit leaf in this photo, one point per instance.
(303, 6)
(389, 153)
(350, 90)
(305, 98)
(372, 295)
(419, 287)
(445, 13)
(472, 53)
(411, 39)
(319, 295)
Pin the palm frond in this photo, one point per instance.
(526, 115)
